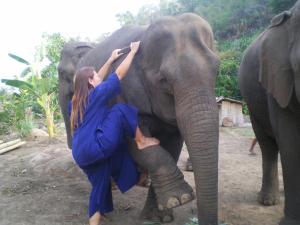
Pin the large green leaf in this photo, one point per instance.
(18, 58)
(19, 84)
(25, 71)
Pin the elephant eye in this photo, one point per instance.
(162, 79)
(165, 85)
(75, 59)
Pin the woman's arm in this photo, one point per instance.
(103, 71)
(122, 69)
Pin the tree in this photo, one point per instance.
(49, 50)
(126, 18)
(15, 113)
(278, 6)
(169, 8)
(38, 85)
(144, 16)
(147, 14)
(41, 90)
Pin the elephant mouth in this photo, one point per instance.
(172, 122)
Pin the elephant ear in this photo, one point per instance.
(280, 18)
(275, 72)
(82, 48)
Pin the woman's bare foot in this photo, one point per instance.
(144, 142)
(95, 219)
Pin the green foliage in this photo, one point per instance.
(229, 21)
(28, 67)
(245, 109)
(41, 92)
(152, 223)
(4, 116)
(226, 84)
(24, 127)
(231, 52)
(126, 18)
(38, 91)
(239, 45)
(147, 14)
(18, 58)
(235, 18)
(50, 50)
(278, 6)
(37, 94)
(54, 44)
(170, 8)
(144, 16)
(16, 113)
(194, 221)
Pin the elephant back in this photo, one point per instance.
(119, 39)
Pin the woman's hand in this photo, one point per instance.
(115, 54)
(134, 46)
(103, 71)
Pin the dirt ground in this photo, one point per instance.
(39, 184)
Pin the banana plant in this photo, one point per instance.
(30, 69)
(42, 90)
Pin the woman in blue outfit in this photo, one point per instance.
(99, 133)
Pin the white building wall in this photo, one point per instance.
(231, 110)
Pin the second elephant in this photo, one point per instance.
(269, 80)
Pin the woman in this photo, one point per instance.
(99, 133)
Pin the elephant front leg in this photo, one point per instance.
(151, 211)
(167, 180)
(288, 141)
(172, 142)
(269, 193)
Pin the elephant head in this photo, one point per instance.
(280, 56)
(180, 66)
(71, 54)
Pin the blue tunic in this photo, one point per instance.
(99, 145)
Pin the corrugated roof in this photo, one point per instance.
(221, 98)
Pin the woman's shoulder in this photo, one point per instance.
(112, 76)
(112, 79)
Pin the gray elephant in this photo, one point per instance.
(269, 79)
(171, 81)
(72, 53)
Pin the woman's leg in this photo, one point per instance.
(122, 121)
(95, 219)
(251, 150)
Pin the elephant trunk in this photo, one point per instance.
(197, 117)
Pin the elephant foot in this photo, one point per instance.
(188, 165)
(268, 199)
(288, 221)
(155, 215)
(174, 196)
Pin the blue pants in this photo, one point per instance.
(120, 123)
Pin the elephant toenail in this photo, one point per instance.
(167, 219)
(160, 207)
(172, 202)
(185, 198)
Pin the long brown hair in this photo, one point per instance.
(80, 96)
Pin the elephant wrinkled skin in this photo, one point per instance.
(171, 81)
(269, 79)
